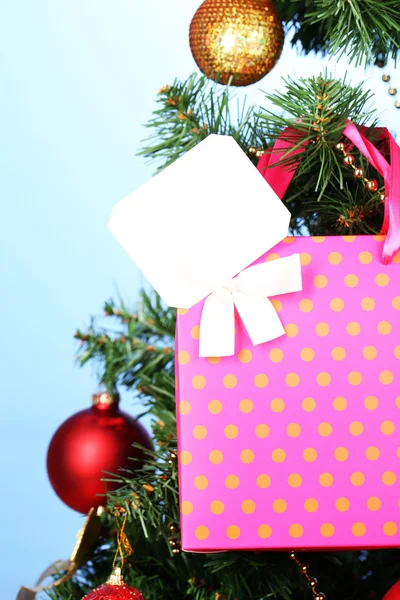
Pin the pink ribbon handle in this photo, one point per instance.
(279, 177)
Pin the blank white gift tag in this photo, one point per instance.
(200, 221)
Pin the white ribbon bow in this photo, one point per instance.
(249, 292)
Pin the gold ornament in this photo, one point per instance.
(340, 146)
(386, 77)
(397, 105)
(392, 91)
(242, 39)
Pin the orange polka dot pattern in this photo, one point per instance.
(295, 443)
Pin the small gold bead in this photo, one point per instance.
(340, 147)
(382, 197)
(313, 582)
(348, 159)
(380, 63)
(397, 105)
(372, 185)
(358, 173)
(292, 556)
(172, 457)
(252, 150)
(386, 77)
(392, 91)
(303, 568)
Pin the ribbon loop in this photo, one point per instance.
(248, 292)
(217, 334)
(266, 326)
(86, 538)
(391, 176)
(289, 143)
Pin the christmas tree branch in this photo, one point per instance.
(324, 196)
(135, 349)
(316, 111)
(188, 112)
(363, 30)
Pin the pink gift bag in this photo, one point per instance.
(295, 443)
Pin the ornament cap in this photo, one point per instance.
(116, 577)
(104, 400)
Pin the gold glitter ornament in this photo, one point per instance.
(242, 39)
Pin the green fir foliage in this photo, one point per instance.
(324, 196)
(362, 30)
(188, 112)
(135, 347)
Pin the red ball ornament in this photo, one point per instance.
(90, 442)
(114, 591)
(393, 593)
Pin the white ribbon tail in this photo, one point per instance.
(249, 292)
(272, 278)
(217, 325)
(259, 317)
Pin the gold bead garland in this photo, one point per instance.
(349, 160)
(312, 581)
(380, 62)
(358, 173)
(173, 541)
(255, 151)
(386, 78)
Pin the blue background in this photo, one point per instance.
(78, 80)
